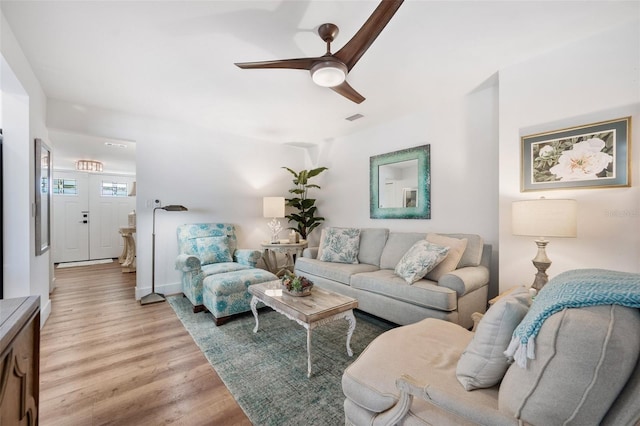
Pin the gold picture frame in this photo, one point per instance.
(594, 155)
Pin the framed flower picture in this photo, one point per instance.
(590, 156)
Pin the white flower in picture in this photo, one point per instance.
(546, 151)
(583, 162)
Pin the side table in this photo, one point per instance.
(290, 250)
(128, 256)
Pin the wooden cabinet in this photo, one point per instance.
(19, 361)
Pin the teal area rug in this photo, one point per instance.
(266, 372)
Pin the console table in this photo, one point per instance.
(19, 360)
(128, 256)
(290, 250)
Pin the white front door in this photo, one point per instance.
(87, 218)
(108, 214)
(70, 239)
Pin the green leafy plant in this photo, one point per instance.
(305, 217)
(295, 283)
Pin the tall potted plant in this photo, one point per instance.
(305, 218)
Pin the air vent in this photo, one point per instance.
(115, 145)
(354, 117)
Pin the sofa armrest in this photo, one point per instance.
(187, 263)
(310, 252)
(247, 257)
(465, 280)
(410, 388)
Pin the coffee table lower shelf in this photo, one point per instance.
(322, 307)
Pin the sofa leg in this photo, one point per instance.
(220, 321)
(199, 308)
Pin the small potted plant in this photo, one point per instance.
(296, 285)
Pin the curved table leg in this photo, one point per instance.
(254, 304)
(308, 351)
(352, 326)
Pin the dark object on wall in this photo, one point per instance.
(20, 360)
(43, 196)
(1, 222)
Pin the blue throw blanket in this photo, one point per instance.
(572, 289)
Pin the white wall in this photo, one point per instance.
(589, 81)
(24, 111)
(218, 177)
(463, 134)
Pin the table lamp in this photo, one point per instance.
(273, 207)
(544, 218)
(154, 297)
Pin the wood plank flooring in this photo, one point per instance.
(106, 360)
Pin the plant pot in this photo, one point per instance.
(305, 292)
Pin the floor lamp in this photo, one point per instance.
(154, 297)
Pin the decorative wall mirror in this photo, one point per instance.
(43, 196)
(400, 184)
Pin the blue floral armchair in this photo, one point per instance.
(207, 249)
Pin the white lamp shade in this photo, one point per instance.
(273, 206)
(544, 218)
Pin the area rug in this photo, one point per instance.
(266, 372)
(84, 263)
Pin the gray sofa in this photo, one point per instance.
(380, 292)
(585, 370)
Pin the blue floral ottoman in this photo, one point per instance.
(226, 294)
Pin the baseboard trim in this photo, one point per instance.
(166, 289)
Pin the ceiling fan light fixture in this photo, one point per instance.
(328, 73)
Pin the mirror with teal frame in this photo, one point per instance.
(400, 184)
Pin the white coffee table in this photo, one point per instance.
(321, 307)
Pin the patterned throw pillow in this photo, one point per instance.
(421, 258)
(340, 245)
(213, 250)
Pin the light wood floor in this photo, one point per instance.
(106, 360)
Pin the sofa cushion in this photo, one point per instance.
(421, 258)
(213, 250)
(583, 358)
(188, 233)
(483, 363)
(221, 268)
(427, 350)
(473, 253)
(339, 245)
(340, 272)
(397, 245)
(372, 241)
(422, 293)
(456, 246)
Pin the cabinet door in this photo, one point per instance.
(19, 373)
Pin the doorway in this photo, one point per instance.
(88, 211)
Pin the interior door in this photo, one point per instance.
(70, 240)
(109, 212)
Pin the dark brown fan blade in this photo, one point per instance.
(348, 92)
(351, 52)
(298, 64)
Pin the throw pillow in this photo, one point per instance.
(213, 250)
(456, 246)
(483, 363)
(340, 245)
(421, 258)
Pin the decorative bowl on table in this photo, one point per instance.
(296, 285)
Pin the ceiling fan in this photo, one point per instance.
(331, 69)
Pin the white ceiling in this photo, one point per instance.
(175, 59)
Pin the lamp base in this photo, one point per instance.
(152, 298)
(542, 263)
